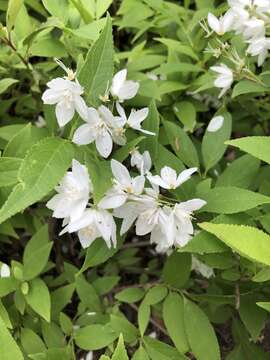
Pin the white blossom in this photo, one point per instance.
(142, 161)
(135, 118)
(4, 271)
(215, 123)
(92, 224)
(72, 193)
(168, 178)
(124, 186)
(254, 28)
(221, 25)
(259, 47)
(224, 78)
(123, 89)
(66, 94)
(100, 127)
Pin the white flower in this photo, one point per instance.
(66, 94)
(182, 219)
(221, 25)
(224, 79)
(123, 89)
(135, 118)
(259, 47)
(73, 193)
(168, 178)
(215, 123)
(205, 270)
(124, 187)
(92, 224)
(40, 123)
(254, 28)
(142, 161)
(4, 271)
(99, 127)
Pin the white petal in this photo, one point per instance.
(64, 112)
(106, 115)
(51, 97)
(81, 107)
(215, 124)
(138, 184)
(121, 111)
(104, 144)
(185, 175)
(156, 180)
(84, 135)
(118, 81)
(128, 90)
(143, 226)
(5, 271)
(112, 201)
(169, 176)
(120, 172)
(86, 219)
(192, 205)
(214, 23)
(136, 117)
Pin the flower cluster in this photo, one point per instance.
(251, 19)
(133, 199)
(101, 125)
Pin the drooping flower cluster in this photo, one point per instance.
(251, 19)
(133, 199)
(101, 125)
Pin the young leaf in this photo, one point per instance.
(258, 146)
(31, 342)
(39, 299)
(140, 354)
(120, 352)
(143, 317)
(130, 295)
(95, 337)
(158, 350)
(155, 295)
(246, 240)
(173, 315)
(9, 350)
(41, 170)
(200, 333)
(213, 146)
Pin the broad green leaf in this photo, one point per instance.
(105, 284)
(186, 113)
(20, 143)
(97, 71)
(5, 316)
(140, 354)
(176, 270)
(31, 342)
(158, 350)
(258, 146)
(230, 200)
(130, 295)
(13, 9)
(248, 86)
(102, 6)
(264, 304)
(9, 350)
(178, 47)
(144, 313)
(213, 146)
(59, 8)
(181, 144)
(7, 285)
(60, 298)
(155, 294)
(173, 316)
(121, 324)
(151, 123)
(52, 334)
(200, 333)
(8, 170)
(36, 253)
(65, 323)
(246, 240)
(6, 83)
(41, 170)
(204, 243)
(39, 299)
(120, 352)
(240, 172)
(87, 294)
(95, 337)
(167, 87)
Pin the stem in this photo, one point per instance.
(9, 43)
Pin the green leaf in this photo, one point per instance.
(59, 8)
(5, 316)
(13, 10)
(9, 350)
(155, 294)
(258, 146)
(7, 285)
(264, 304)
(6, 83)
(8, 170)
(120, 352)
(31, 342)
(213, 146)
(204, 243)
(151, 123)
(36, 253)
(247, 87)
(121, 324)
(102, 6)
(176, 270)
(122, 153)
(105, 284)
(140, 354)
(200, 333)
(95, 337)
(173, 315)
(60, 298)
(41, 170)
(186, 113)
(131, 295)
(181, 144)
(144, 313)
(87, 294)
(158, 350)
(97, 71)
(246, 240)
(39, 299)
(178, 47)
(230, 200)
(240, 172)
